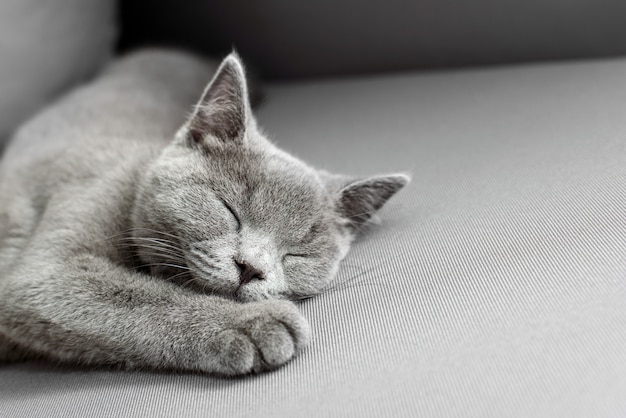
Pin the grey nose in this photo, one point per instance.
(248, 273)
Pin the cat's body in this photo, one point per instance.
(120, 245)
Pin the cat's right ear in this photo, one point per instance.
(359, 200)
(223, 112)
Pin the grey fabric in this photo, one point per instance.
(47, 46)
(494, 287)
(328, 37)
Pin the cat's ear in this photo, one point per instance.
(223, 112)
(360, 200)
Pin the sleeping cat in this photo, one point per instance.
(132, 237)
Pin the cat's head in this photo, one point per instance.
(224, 210)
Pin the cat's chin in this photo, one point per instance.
(233, 291)
(248, 293)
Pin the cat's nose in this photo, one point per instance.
(248, 273)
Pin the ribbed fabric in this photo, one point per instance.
(494, 287)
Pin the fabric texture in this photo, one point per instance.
(494, 286)
(326, 37)
(46, 47)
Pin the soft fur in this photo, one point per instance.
(122, 246)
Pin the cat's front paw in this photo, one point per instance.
(262, 336)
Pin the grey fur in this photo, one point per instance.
(120, 246)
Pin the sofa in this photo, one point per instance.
(494, 285)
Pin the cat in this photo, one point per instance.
(134, 237)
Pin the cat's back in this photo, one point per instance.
(136, 104)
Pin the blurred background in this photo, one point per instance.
(49, 46)
(296, 39)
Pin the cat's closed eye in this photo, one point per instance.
(294, 255)
(233, 213)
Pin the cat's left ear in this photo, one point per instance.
(223, 112)
(360, 200)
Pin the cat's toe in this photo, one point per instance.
(278, 331)
(274, 342)
(238, 355)
(290, 317)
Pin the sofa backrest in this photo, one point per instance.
(302, 38)
(47, 47)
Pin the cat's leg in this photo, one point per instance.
(90, 311)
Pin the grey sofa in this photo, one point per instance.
(495, 285)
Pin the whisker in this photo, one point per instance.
(157, 248)
(164, 264)
(155, 253)
(355, 285)
(177, 275)
(305, 297)
(358, 215)
(132, 242)
(167, 234)
(129, 231)
(110, 237)
(351, 281)
(157, 241)
(178, 260)
(160, 251)
(358, 275)
(188, 283)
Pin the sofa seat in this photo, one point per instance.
(494, 285)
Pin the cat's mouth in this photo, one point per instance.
(190, 277)
(186, 276)
(238, 290)
(207, 273)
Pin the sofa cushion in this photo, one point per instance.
(328, 37)
(47, 46)
(493, 287)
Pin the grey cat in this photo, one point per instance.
(132, 237)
